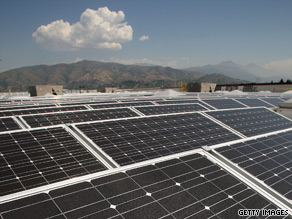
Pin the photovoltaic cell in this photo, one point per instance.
(113, 105)
(40, 110)
(77, 116)
(134, 140)
(252, 121)
(165, 109)
(224, 103)
(39, 157)
(254, 102)
(7, 124)
(269, 159)
(187, 187)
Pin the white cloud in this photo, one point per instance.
(144, 37)
(282, 66)
(77, 59)
(98, 29)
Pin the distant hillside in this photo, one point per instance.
(220, 79)
(97, 75)
(227, 68)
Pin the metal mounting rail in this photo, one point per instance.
(90, 145)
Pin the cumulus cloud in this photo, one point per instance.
(98, 29)
(144, 37)
(282, 66)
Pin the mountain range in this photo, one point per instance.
(251, 72)
(97, 75)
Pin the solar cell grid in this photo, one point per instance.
(134, 140)
(77, 116)
(40, 110)
(269, 159)
(177, 101)
(165, 109)
(252, 121)
(39, 157)
(86, 102)
(255, 102)
(273, 101)
(25, 107)
(191, 186)
(140, 100)
(182, 101)
(8, 124)
(112, 105)
(224, 103)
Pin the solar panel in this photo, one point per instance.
(224, 103)
(176, 101)
(183, 101)
(165, 109)
(112, 105)
(39, 157)
(7, 124)
(40, 110)
(189, 187)
(77, 116)
(273, 101)
(252, 121)
(134, 140)
(254, 102)
(86, 102)
(269, 159)
(25, 107)
(140, 100)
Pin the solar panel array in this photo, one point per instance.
(187, 187)
(162, 102)
(135, 140)
(273, 101)
(8, 107)
(269, 159)
(40, 120)
(113, 105)
(252, 121)
(166, 109)
(40, 110)
(39, 157)
(7, 124)
(224, 104)
(254, 102)
(72, 161)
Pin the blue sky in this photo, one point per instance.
(181, 34)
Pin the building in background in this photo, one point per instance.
(111, 89)
(256, 87)
(42, 90)
(201, 87)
